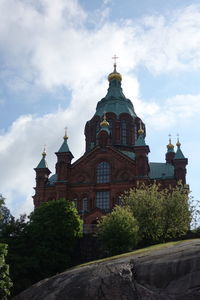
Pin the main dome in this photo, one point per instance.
(115, 100)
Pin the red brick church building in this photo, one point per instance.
(115, 160)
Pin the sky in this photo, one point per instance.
(55, 56)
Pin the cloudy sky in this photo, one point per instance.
(55, 56)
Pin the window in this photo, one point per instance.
(123, 132)
(85, 204)
(103, 200)
(103, 172)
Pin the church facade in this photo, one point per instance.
(115, 160)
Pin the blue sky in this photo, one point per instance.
(55, 56)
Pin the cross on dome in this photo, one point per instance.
(170, 145)
(44, 153)
(65, 136)
(115, 57)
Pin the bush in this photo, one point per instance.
(118, 231)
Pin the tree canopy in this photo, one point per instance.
(42, 244)
(161, 213)
(118, 231)
(5, 282)
(53, 229)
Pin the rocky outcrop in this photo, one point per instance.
(171, 272)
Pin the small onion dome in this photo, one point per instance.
(44, 153)
(170, 145)
(114, 75)
(104, 123)
(140, 131)
(65, 137)
(178, 144)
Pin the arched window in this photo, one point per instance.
(103, 172)
(103, 200)
(123, 132)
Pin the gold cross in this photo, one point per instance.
(115, 59)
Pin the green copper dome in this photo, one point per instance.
(115, 101)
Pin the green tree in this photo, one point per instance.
(5, 282)
(118, 231)
(14, 234)
(161, 213)
(54, 228)
(177, 212)
(42, 244)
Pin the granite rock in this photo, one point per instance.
(172, 272)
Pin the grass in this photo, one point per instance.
(138, 251)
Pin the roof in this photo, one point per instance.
(53, 179)
(64, 147)
(42, 164)
(161, 170)
(115, 101)
(140, 141)
(179, 154)
(129, 154)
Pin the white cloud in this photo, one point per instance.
(21, 145)
(172, 112)
(48, 44)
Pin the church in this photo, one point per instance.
(115, 160)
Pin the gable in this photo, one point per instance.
(122, 166)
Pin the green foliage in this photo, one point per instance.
(177, 213)
(5, 282)
(44, 245)
(5, 215)
(54, 228)
(118, 231)
(14, 234)
(161, 213)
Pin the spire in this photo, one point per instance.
(170, 146)
(169, 156)
(65, 137)
(179, 153)
(43, 164)
(140, 140)
(64, 147)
